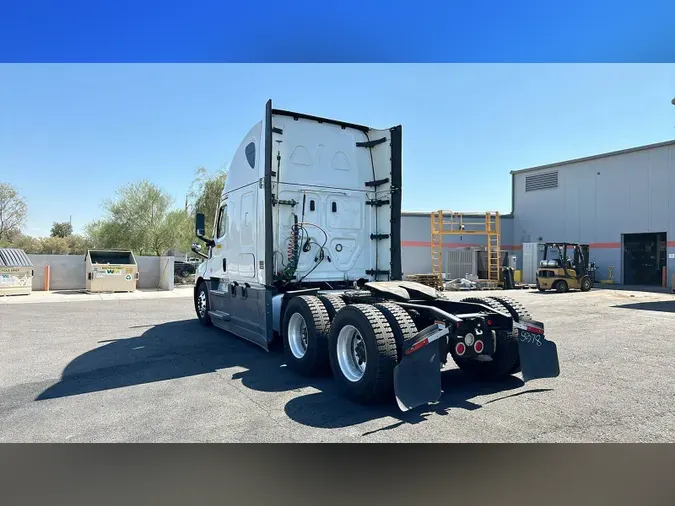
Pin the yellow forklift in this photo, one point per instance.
(565, 266)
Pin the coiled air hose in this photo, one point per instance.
(293, 251)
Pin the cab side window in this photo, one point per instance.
(222, 222)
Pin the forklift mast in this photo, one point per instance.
(581, 257)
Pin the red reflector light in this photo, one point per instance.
(417, 346)
(478, 346)
(460, 349)
(490, 323)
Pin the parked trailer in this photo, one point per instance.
(307, 249)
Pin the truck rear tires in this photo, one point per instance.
(506, 359)
(333, 304)
(402, 325)
(202, 306)
(363, 354)
(561, 286)
(518, 313)
(514, 308)
(305, 335)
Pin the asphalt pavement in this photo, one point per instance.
(144, 370)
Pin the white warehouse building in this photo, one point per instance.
(621, 203)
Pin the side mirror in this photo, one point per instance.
(200, 230)
(200, 225)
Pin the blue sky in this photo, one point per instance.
(71, 134)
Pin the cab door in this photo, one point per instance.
(219, 296)
(247, 297)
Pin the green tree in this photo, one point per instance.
(77, 244)
(61, 229)
(53, 246)
(179, 230)
(28, 244)
(139, 219)
(13, 212)
(106, 234)
(204, 196)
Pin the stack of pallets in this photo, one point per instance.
(486, 284)
(425, 279)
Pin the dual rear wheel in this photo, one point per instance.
(361, 344)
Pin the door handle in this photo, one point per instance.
(224, 265)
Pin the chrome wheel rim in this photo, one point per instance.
(297, 335)
(351, 353)
(201, 304)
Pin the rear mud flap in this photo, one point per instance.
(538, 357)
(417, 377)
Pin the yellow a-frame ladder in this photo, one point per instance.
(451, 223)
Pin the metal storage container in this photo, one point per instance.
(110, 271)
(533, 253)
(16, 272)
(459, 263)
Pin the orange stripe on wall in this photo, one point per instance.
(427, 244)
(604, 245)
(594, 245)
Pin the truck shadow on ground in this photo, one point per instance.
(664, 306)
(184, 348)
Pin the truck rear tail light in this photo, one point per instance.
(478, 346)
(460, 349)
(469, 339)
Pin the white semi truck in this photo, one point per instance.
(307, 249)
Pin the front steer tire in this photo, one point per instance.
(202, 305)
(376, 384)
(306, 355)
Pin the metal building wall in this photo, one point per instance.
(416, 240)
(597, 200)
